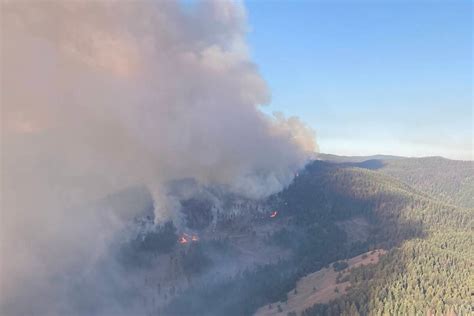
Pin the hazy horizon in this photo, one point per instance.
(397, 154)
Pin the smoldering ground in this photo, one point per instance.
(101, 96)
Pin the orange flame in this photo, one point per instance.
(185, 238)
(274, 214)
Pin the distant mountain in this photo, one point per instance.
(339, 159)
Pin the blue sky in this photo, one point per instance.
(392, 77)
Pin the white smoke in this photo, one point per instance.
(102, 95)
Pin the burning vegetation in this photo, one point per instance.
(186, 238)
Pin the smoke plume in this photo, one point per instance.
(98, 96)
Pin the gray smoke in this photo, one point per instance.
(98, 96)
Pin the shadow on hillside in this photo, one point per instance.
(329, 192)
(371, 164)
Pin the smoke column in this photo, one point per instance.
(98, 96)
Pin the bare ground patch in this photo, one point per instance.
(318, 287)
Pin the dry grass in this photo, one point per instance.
(318, 287)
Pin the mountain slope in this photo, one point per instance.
(450, 181)
(310, 210)
(429, 273)
(428, 276)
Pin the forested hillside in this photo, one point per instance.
(431, 273)
(428, 266)
(451, 181)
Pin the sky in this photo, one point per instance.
(370, 77)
